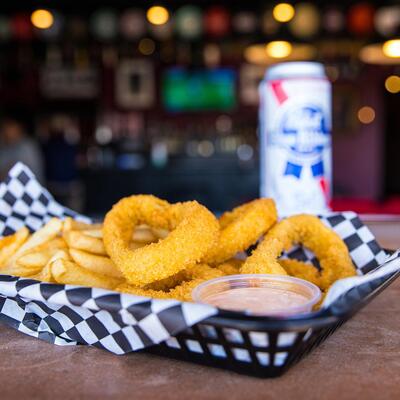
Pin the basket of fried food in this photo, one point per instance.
(148, 247)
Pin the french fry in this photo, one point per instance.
(33, 261)
(57, 243)
(41, 236)
(71, 224)
(98, 264)
(78, 240)
(39, 257)
(96, 233)
(68, 272)
(16, 269)
(5, 241)
(9, 245)
(45, 274)
(160, 233)
(44, 235)
(144, 234)
(136, 245)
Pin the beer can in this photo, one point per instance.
(295, 137)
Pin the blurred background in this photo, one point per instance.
(108, 98)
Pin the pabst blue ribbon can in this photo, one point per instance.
(295, 137)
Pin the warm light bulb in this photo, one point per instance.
(157, 15)
(391, 48)
(283, 12)
(392, 84)
(279, 49)
(366, 115)
(42, 19)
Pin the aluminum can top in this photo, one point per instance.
(295, 69)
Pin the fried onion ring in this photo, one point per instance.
(242, 227)
(193, 231)
(193, 277)
(302, 270)
(230, 267)
(309, 231)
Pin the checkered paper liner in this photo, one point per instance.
(122, 323)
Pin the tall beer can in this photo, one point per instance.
(295, 137)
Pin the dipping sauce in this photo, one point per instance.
(259, 294)
(257, 300)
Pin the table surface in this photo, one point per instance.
(361, 360)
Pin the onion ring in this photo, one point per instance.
(301, 270)
(193, 231)
(230, 267)
(308, 230)
(242, 227)
(193, 275)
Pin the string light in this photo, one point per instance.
(392, 84)
(42, 19)
(278, 49)
(157, 15)
(283, 12)
(391, 48)
(374, 54)
(366, 115)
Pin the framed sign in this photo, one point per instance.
(134, 84)
(69, 83)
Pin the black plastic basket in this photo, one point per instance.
(262, 346)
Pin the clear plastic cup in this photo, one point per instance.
(274, 295)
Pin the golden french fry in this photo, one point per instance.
(40, 255)
(136, 245)
(96, 233)
(144, 234)
(52, 245)
(78, 240)
(44, 235)
(9, 245)
(5, 241)
(45, 274)
(60, 255)
(35, 260)
(57, 243)
(98, 264)
(41, 236)
(20, 270)
(68, 272)
(71, 224)
(160, 233)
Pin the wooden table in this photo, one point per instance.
(360, 361)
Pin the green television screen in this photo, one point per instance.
(199, 90)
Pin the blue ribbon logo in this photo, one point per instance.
(317, 169)
(305, 133)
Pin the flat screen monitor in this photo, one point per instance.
(199, 90)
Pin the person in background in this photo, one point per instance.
(16, 145)
(60, 159)
(61, 169)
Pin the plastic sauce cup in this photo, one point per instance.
(259, 294)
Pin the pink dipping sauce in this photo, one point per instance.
(259, 294)
(257, 300)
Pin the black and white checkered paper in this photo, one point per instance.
(121, 323)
